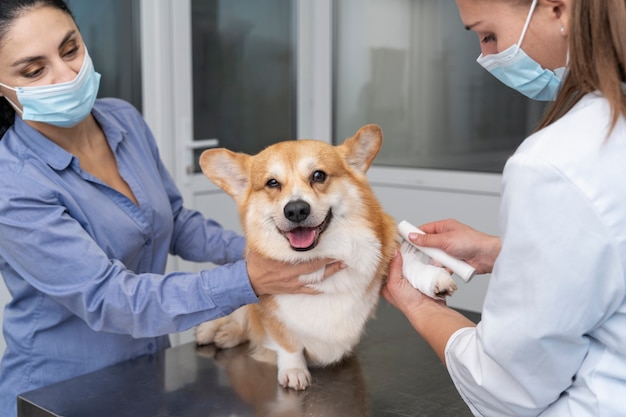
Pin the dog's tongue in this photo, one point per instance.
(302, 237)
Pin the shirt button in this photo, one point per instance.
(150, 347)
(148, 242)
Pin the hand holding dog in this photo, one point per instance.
(478, 249)
(269, 276)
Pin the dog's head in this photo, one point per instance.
(294, 196)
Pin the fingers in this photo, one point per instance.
(333, 267)
(304, 268)
(330, 266)
(329, 270)
(436, 233)
(312, 268)
(395, 267)
(394, 278)
(307, 291)
(440, 226)
(427, 240)
(269, 276)
(429, 227)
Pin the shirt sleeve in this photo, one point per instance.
(51, 251)
(195, 238)
(553, 283)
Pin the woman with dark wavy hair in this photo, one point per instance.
(88, 216)
(552, 338)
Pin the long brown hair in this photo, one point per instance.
(597, 44)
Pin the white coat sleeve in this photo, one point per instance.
(545, 295)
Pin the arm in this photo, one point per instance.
(56, 256)
(194, 237)
(544, 296)
(544, 299)
(431, 318)
(65, 250)
(46, 248)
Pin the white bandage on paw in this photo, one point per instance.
(431, 280)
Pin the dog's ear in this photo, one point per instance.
(226, 169)
(361, 149)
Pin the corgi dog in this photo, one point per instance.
(301, 200)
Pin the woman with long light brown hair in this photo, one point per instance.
(552, 338)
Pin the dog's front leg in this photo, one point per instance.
(292, 369)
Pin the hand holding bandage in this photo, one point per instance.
(422, 266)
(459, 267)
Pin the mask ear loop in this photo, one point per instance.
(530, 15)
(17, 109)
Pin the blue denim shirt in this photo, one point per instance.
(85, 265)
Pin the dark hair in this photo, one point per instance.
(9, 11)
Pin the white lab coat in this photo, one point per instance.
(552, 340)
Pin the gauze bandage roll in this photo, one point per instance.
(434, 281)
(464, 270)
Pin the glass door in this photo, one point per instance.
(243, 74)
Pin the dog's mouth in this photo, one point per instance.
(306, 238)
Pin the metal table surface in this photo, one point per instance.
(392, 373)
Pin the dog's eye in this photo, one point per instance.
(272, 183)
(318, 176)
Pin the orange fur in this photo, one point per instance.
(344, 221)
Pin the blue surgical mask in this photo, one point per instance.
(519, 71)
(63, 104)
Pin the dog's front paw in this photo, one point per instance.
(229, 334)
(205, 332)
(431, 280)
(444, 284)
(295, 378)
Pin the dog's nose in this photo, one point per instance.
(297, 211)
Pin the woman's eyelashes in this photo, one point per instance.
(488, 38)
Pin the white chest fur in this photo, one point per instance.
(330, 324)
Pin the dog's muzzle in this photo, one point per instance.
(303, 238)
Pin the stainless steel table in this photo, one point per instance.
(393, 373)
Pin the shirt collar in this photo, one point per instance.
(57, 157)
